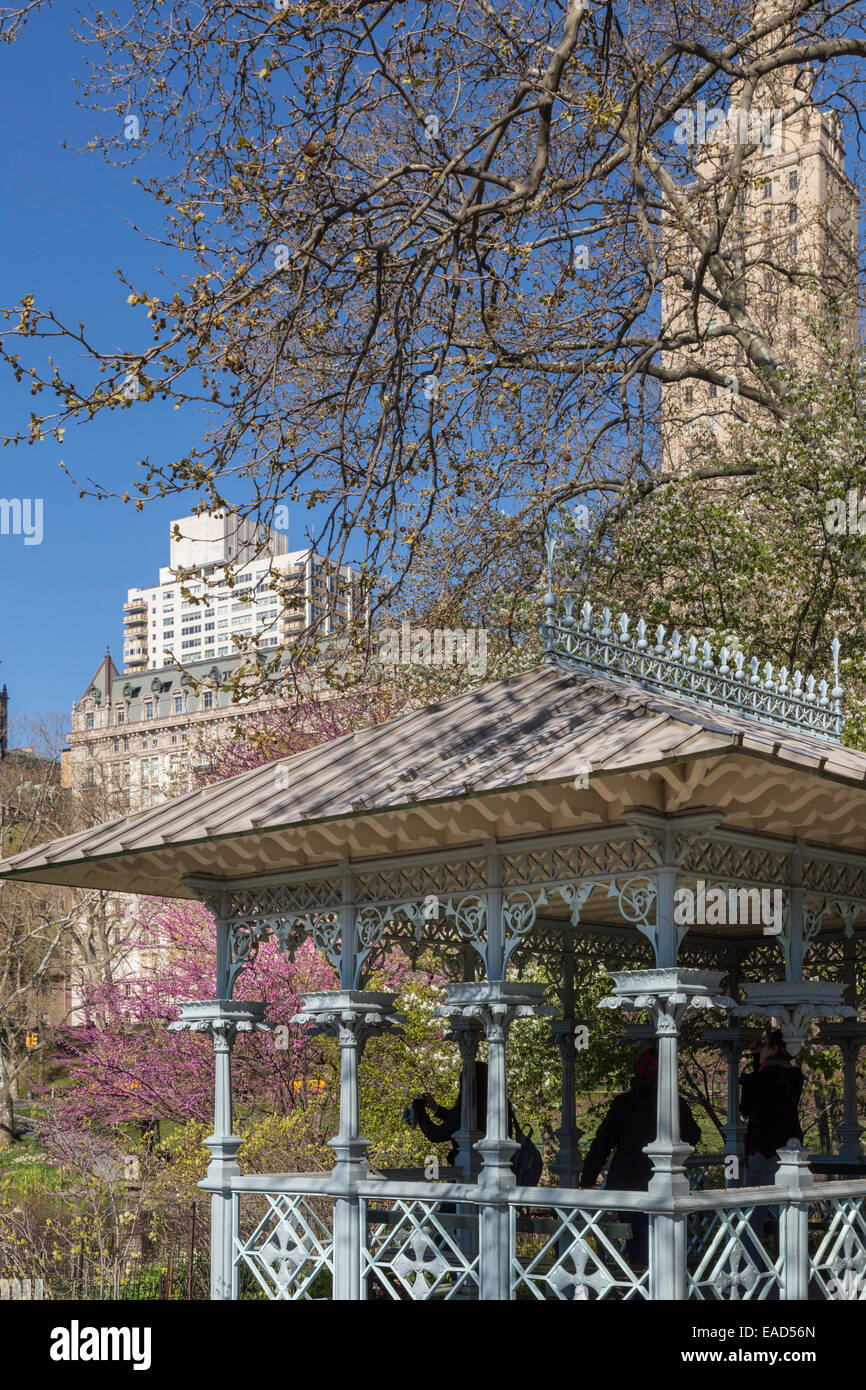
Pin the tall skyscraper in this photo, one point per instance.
(791, 244)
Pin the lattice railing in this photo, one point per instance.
(290, 1251)
(416, 1241)
(419, 1250)
(837, 1261)
(575, 1254)
(726, 1258)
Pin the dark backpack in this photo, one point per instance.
(527, 1163)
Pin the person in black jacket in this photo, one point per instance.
(769, 1102)
(447, 1120)
(629, 1125)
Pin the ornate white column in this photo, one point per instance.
(494, 1005)
(223, 1019)
(666, 994)
(795, 1181)
(352, 1016)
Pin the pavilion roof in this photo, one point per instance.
(497, 762)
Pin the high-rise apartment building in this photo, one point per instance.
(792, 244)
(274, 597)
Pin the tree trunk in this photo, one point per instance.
(7, 1116)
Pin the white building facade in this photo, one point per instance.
(199, 610)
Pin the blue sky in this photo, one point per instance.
(66, 219)
(65, 228)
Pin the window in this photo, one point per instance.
(91, 776)
(768, 188)
(148, 709)
(208, 699)
(793, 179)
(793, 213)
(89, 722)
(174, 735)
(121, 716)
(178, 704)
(714, 390)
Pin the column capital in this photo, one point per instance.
(494, 1004)
(352, 1016)
(667, 993)
(222, 1018)
(795, 1004)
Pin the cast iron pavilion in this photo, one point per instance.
(549, 817)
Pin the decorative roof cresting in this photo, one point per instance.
(688, 668)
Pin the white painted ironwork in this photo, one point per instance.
(419, 1250)
(728, 1262)
(573, 1255)
(839, 1263)
(688, 667)
(290, 1248)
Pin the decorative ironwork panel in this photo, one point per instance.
(568, 863)
(704, 955)
(573, 1254)
(841, 880)
(291, 1250)
(825, 959)
(402, 882)
(594, 952)
(283, 901)
(419, 1250)
(715, 859)
(838, 1261)
(761, 960)
(726, 1259)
